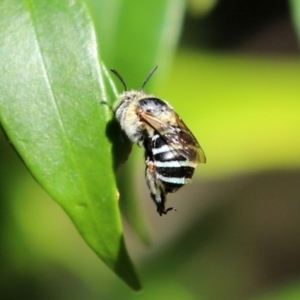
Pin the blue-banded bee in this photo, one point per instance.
(171, 150)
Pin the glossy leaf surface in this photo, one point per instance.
(55, 108)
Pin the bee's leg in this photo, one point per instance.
(157, 190)
(160, 200)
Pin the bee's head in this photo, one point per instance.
(125, 99)
(128, 96)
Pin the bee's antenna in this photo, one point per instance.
(120, 77)
(148, 76)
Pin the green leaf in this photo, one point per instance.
(55, 108)
(137, 36)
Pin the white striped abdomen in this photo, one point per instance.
(172, 169)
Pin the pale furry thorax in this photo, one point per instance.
(127, 106)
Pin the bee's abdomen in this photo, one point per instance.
(172, 169)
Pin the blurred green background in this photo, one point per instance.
(231, 69)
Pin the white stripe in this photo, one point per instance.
(176, 180)
(155, 137)
(175, 164)
(164, 148)
(167, 164)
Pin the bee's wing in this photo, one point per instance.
(179, 137)
(186, 131)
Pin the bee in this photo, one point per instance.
(171, 150)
